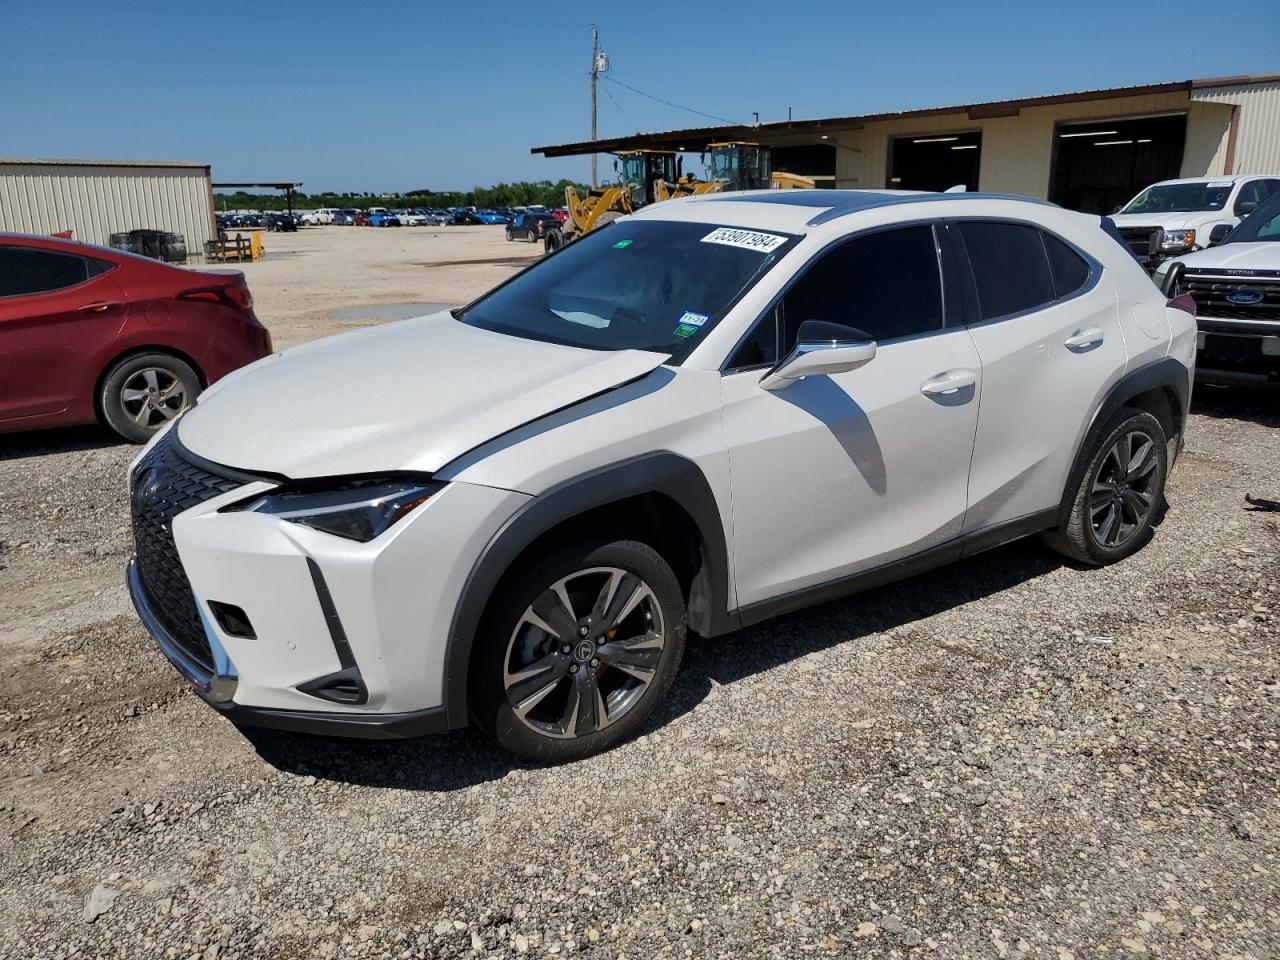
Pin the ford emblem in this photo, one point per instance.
(1245, 295)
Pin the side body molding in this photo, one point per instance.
(664, 473)
(1166, 374)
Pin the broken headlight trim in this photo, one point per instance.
(358, 510)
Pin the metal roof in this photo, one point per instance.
(63, 162)
(695, 138)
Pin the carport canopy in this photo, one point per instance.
(288, 189)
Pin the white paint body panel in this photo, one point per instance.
(833, 475)
(412, 395)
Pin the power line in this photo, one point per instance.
(609, 93)
(709, 116)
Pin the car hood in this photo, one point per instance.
(412, 395)
(1172, 221)
(1254, 255)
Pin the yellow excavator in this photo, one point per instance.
(652, 176)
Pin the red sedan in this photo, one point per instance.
(93, 334)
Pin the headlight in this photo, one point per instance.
(1177, 239)
(358, 510)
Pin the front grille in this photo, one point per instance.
(1212, 295)
(1141, 240)
(164, 485)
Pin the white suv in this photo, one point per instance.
(708, 413)
(1177, 216)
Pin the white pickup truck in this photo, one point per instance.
(1174, 217)
(1236, 286)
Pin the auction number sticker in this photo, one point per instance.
(746, 239)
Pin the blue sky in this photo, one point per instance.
(395, 94)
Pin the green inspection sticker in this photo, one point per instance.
(622, 244)
(686, 330)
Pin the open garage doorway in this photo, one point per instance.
(817, 161)
(1101, 164)
(935, 162)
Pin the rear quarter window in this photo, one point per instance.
(1070, 271)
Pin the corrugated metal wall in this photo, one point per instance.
(1258, 134)
(1016, 151)
(96, 201)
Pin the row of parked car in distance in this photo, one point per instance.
(276, 222)
(420, 216)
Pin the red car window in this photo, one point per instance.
(25, 271)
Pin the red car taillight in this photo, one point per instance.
(240, 296)
(236, 295)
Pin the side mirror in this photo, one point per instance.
(1219, 234)
(1117, 209)
(1246, 207)
(821, 348)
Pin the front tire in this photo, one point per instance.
(142, 393)
(1120, 492)
(577, 650)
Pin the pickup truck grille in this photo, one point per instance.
(1250, 297)
(1141, 240)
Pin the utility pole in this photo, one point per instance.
(595, 68)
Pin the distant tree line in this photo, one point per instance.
(520, 194)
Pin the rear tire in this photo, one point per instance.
(1119, 493)
(554, 683)
(140, 394)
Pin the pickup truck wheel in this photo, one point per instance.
(142, 393)
(1120, 492)
(577, 651)
(509, 235)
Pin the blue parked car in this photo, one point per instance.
(490, 216)
(383, 218)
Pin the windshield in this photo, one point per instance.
(633, 285)
(1181, 197)
(1263, 224)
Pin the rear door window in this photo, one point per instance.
(1010, 267)
(25, 271)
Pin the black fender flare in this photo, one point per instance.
(663, 472)
(1166, 373)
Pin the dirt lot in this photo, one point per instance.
(1010, 757)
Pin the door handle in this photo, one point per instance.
(99, 307)
(1087, 337)
(945, 384)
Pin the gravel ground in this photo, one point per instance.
(1010, 757)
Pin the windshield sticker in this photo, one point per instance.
(746, 239)
(694, 319)
(623, 244)
(1218, 183)
(685, 330)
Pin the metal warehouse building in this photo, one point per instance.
(96, 198)
(1089, 151)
